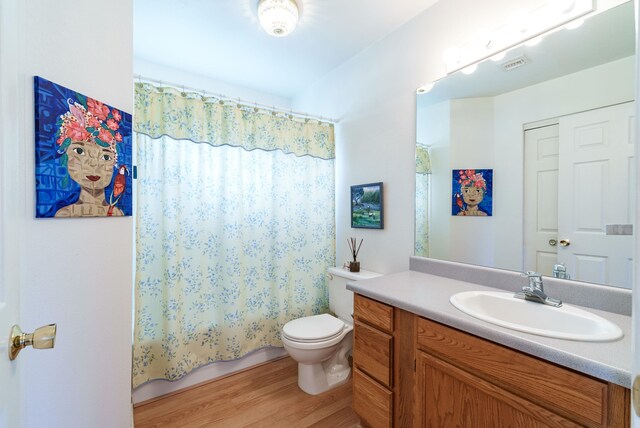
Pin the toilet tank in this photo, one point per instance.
(341, 299)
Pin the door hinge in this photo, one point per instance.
(414, 365)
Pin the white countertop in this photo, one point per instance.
(428, 296)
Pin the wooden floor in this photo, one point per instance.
(265, 396)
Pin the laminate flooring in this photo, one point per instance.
(264, 396)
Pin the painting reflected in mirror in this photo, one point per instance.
(556, 131)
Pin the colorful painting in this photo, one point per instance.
(366, 206)
(83, 155)
(472, 192)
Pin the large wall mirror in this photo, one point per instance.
(554, 122)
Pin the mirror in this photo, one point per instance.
(553, 123)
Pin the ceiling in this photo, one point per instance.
(222, 39)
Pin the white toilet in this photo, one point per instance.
(320, 343)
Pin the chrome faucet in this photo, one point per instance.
(535, 291)
(560, 271)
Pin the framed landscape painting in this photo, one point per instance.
(367, 211)
(83, 155)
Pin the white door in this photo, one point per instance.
(9, 305)
(596, 167)
(9, 287)
(73, 272)
(9, 392)
(541, 148)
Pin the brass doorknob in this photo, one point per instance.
(565, 242)
(42, 338)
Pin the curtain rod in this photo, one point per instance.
(272, 108)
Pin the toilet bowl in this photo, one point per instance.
(321, 343)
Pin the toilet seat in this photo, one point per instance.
(312, 329)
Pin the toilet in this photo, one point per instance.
(321, 343)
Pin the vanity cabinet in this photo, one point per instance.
(422, 373)
(463, 380)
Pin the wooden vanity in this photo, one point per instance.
(410, 371)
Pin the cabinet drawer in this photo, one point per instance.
(371, 401)
(373, 313)
(574, 395)
(373, 353)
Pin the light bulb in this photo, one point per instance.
(470, 69)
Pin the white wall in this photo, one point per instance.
(75, 272)
(174, 75)
(434, 130)
(471, 238)
(373, 95)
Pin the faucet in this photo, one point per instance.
(560, 271)
(535, 291)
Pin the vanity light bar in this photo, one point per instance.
(520, 28)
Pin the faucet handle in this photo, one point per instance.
(535, 280)
(531, 274)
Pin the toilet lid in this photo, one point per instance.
(313, 328)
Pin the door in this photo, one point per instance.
(541, 146)
(595, 208)
(73, 272)
(9, 286)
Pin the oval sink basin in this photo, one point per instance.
(565, 322)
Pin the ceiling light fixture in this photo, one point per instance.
(278, 17)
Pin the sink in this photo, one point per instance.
(565, 322)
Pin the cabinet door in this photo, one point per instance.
(578, 397)
(451, 397)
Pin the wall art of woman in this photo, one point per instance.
(472, 192)
(82, 159)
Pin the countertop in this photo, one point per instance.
(428, 296)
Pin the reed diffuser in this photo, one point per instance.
(354, 266)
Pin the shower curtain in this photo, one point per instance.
(235, 228)
(423, 176)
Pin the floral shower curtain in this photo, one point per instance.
(423, 174)
(235, 228)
